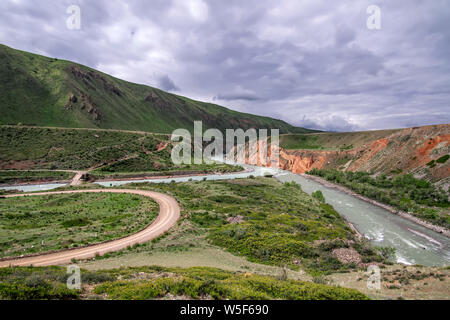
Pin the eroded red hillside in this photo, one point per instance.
(408, 150)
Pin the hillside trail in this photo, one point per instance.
(76, 180)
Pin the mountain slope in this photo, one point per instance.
(43, 91)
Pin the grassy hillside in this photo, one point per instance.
(43, 91)
(332, 140)
(111, 152)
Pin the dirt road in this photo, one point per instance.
(169, 213)
(76, 180)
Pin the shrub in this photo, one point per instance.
(443, 159)
(78, 222)
(318, 195)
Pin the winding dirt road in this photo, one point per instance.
(169, 213)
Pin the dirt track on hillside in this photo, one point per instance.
(169, 213)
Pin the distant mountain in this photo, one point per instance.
(41, 91)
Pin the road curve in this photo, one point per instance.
(169, 213)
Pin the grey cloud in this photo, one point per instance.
(333, 123)
(312, 63)
(238, 93)
(231, 96)
(344, 36)
(167, 84)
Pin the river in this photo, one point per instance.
(414, 244)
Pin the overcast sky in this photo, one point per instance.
(311, 63)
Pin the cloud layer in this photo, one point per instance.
(311, 63)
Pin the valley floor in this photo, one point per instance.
(261, 234)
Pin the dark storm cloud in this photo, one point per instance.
(167, 84)
(312, 63)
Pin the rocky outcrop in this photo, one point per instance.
(91, 79)
(165, 103)
(90, 107)
(69, 104)
(151, 97)
(84, 103)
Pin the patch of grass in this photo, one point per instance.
(133, 168)
(300, 142)
(49, 283)
(77, 222)
(346, 147)
(13, 176)
(339, 141)
(46, 223)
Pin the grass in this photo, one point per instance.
(46, 223)
(162, 283)
(202, 254)
(12, 176)
(338, 141)
(300, 142)
(46, 91)
(404, 192)
(115, 171)
(113, 152)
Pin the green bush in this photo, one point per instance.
(318, 195)
(78, 222)
(443, 159)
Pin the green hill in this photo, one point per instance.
(333, 140)
(44, 91)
